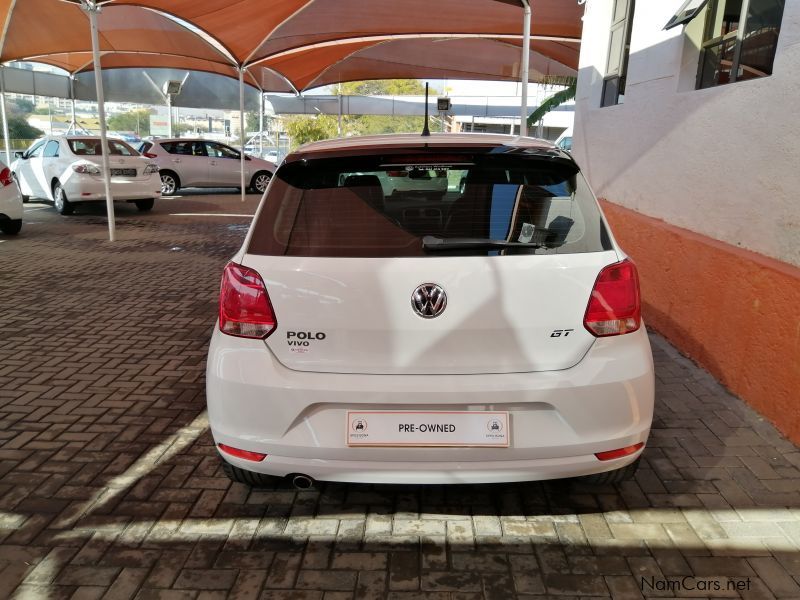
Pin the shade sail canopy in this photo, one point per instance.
(252, 30)
(37, 28)
(294, 45)
(428, 58)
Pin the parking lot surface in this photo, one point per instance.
(110, 485)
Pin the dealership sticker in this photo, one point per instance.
(429, 428)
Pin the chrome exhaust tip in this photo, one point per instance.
(302, 482)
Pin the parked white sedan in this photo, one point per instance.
(10, 203)
(68, 170)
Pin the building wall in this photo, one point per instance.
(703, 190)
(721, 161)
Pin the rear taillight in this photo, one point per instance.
(244, 306)
(614, 307)
(149, 155)
(86, 169)
(619, 452)
(5, 177)
(239, 453)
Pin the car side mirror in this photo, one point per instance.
(20, 155)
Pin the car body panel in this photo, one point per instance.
(497, 319)
(558, 419)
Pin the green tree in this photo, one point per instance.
(133, 120)
(20, 129)
(382, 124)
(304, 128)
(251, 121)
(309, 128)
(20, 107)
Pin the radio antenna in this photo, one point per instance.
(426, 132)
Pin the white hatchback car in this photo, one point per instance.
(491, 334)
(10, 203)
(186, 162)
(68, 170)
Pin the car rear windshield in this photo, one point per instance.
(481, 204)
(91, 147)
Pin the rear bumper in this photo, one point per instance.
(558, 419)
(89, 189)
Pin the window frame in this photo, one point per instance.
(211, 144)
(739, 36)
(48, 145)
(31, 152)
(683, 16)
(613, 92)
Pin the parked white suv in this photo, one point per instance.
(187, 163)
(490, 334)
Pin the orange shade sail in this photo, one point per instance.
(294, 45)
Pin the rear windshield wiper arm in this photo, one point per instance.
(437, 244)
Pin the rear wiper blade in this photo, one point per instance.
(430, 242)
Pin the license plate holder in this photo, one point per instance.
(421, 429)
(123, 172)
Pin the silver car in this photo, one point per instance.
(187, 162)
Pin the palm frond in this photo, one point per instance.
(554, 101)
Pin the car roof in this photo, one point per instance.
(183, 139)
(413, 141)
(92, 138)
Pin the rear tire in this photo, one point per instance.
(170, 183)
(257, 480)
(144, 205)
(11, 226)
(626, 473)
(60, 201)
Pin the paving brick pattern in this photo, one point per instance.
(110, 486)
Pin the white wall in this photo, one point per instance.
(723, 161)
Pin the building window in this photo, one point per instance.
(739, 41)
(619, 48)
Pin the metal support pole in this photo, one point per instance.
(241, 128)
(261, 125)
(3, 111)
(339, 122)
(526, 55)
(92, 8)
(169, 114)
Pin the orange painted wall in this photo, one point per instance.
(735, 312)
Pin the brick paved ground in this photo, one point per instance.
(110, 485)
